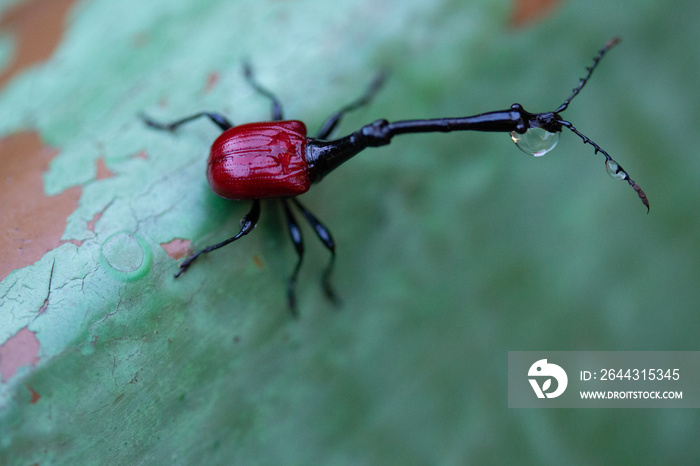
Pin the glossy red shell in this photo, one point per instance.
(260, 160)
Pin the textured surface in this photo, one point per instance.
(452, 249)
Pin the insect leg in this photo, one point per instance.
(325, 236)
(276, 105)
(220, 120)
(247, 224)
(332, 121)
(298, 240)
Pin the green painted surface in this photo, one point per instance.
(452, 249)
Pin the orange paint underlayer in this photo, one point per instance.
(33, 223)
(177, 248)
(19, 350)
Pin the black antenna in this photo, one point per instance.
(614, 168)
(612, 43)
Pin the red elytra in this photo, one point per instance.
(260, 160)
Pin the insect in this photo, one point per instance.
(276, 159)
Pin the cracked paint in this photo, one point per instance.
(43, 307)
(96, 217)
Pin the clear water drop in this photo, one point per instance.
(614, 170)
(535, 141)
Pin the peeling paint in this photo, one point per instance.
(38, 26)
(36, 221)
(34, 395)
(102, 171)
(21, 349)
(95, 218)
(177, 248)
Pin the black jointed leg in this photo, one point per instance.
(277, 114)
(325, 236)
(220, 121)
(298, 241)
(247, 224)
(332, 121)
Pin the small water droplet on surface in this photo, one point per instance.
(126, 255)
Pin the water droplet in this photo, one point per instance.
(126, 255)
(535, 141)
(614, 170)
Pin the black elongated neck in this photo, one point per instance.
(325, 156)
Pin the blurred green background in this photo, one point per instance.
(452, 249)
